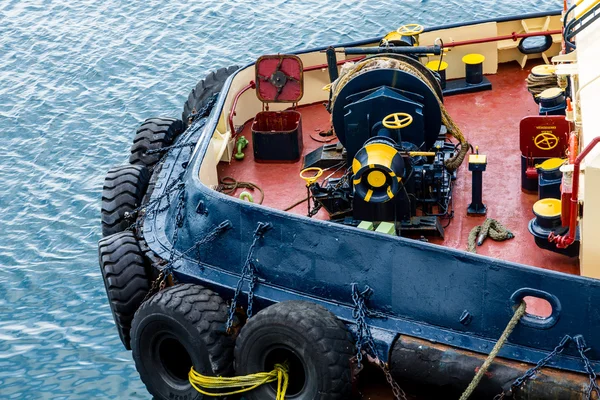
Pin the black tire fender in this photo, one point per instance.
(125, 275)
(123, 191)
(153, 134)
(316, 344)
(178, 327)
(204, 90)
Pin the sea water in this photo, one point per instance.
(76, 79)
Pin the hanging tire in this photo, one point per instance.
(181, 326)
(153, 134)
(204, 90)
(123, 191)
(125, 274)
(316, 345)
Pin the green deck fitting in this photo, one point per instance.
(366, 225)
(386, 227)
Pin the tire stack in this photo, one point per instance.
(123, 255)
(184, 325)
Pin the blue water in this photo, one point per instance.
(76, 78)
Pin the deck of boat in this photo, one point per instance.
(490, 120)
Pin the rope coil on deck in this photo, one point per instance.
(491, 228)
(229, 185)
(350, 70)
(243, 384)
(537, 84)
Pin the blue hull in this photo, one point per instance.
(420, 289)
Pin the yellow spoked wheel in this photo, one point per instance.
(410, 29)
(310, 175)
(397, 120)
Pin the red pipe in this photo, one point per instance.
(514, 36)
(565, 241)
(249, 86)
(340, 62)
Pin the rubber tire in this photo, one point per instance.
(153, 134)
(204, 90)
(125, 276)
(195, 317)
(317, 338)
(123, 191)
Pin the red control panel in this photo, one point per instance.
(544, 136)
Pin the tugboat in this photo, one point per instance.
(315, 214)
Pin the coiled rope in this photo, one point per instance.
(245, 383)
(519, 312)
(491, 228)
(350, 70)
(229, 185)
(536, 84)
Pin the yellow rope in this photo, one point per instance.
(245, 383)
(387, 62)
(519, 312)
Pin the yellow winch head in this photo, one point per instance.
(378, 170)
(547, 208)
(551, 164)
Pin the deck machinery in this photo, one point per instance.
(390, 124)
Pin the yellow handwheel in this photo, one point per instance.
(397, 121)
(311, 179)
(410, 29)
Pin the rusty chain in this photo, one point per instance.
(365, 338)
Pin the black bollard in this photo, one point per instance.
(440, 68)
(477, 164)
(473, 68)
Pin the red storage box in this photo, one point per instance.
(277, 136)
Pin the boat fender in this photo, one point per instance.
(122, 194)
(125, 272)
(152, 137)
(316, 345)
(177, 328)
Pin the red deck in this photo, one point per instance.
(489, 120)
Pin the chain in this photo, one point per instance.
(212, 235)
(564, 343)
(315, 209)
(169, 148)
(155, 286)
(365, 338)
(152, 206)
(396, 389)
(248, 271)
(360, 314)
(160, 282)
(593, 386)
(179, 218)
(167, 270)
(204, 111)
